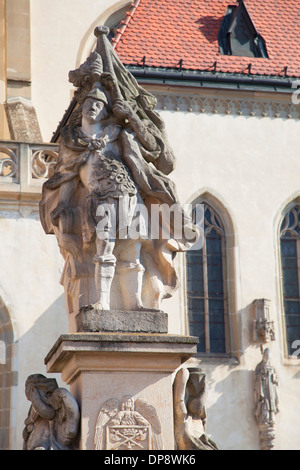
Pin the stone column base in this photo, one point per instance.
(103, 368)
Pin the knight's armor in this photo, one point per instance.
(110, 177)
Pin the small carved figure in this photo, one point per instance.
(113, 160)
(53, 418)
(263, 326)
(265, 390)
(190, 392)
(128, 425)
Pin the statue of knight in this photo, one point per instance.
(114, 159)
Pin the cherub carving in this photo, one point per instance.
(128, 425)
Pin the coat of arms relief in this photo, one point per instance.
(128, 424)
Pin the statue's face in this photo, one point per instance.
(93, 110)
(128, 404)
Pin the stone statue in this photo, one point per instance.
(190, 392)
(114, 159)
(265, 390)
(128, 425)
(53, 418)
(266, 399)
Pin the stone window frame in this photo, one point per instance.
(287, 208)
(233, 339)
(110, 17)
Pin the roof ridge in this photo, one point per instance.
(125, 23)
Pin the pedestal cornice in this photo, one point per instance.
(74, 353)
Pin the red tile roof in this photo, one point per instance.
(165, 31)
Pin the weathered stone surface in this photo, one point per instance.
(102, 200)
(107, 371)
(189, 396)
(53, 418)
(266, 400)
(90, 319)
(22, 120)
(127, 342)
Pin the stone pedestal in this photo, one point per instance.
(102, 368)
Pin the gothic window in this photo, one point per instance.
(290, 263)
(206, 292)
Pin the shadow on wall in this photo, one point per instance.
(40, 338)
(33, 347)
(231, 420)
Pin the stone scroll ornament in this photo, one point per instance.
(266, 400)
(128, 424)
(189, 396)
(53, 418)
(114, 159)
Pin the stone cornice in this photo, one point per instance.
(231, 103)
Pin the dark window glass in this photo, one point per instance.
(290, 263)
(205, 287)
(238, 36)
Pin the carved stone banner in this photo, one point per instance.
(128, 425)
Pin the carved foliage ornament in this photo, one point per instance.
(43, 162)
(128, 424)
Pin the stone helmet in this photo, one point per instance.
(97, 94)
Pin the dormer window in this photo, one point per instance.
(238, 35)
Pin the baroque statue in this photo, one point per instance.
(190, 393)
(105, 202)
(53, 418)
(266, 400)
(128, 425)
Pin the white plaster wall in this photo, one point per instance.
(29, 281)
(61, 32)
(253, 166)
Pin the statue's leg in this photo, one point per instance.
(130, 272)
(104, 274)
(105, 262)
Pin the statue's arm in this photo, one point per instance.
(144, 136)
(44, 410)
(67, 412)
(179, 389)
(123, 112)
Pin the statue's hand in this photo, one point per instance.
(64, 213)
(122, 110)
(108, 81)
